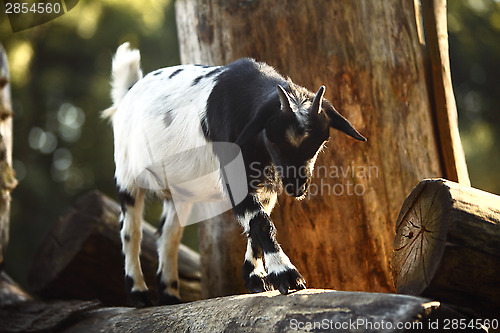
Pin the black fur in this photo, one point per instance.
(158, 72)
(244, 107)
(204, 128)
(209, 74)
(175, 73)
(138, 299)
(160, 227)
(125, 198)
(290, 279)
(197, 80)
(254, 283)
(163, 297)
(174, 285)
(213, 72)
(263, 233)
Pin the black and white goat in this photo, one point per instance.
(277, 124)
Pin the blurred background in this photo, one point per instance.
(60, 83)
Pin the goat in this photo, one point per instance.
(276, 124)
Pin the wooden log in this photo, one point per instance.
(10, 291)
(80, 258)
(372, 58)
(36, 316)
(7, 176)
(304, 311)
(447, 246)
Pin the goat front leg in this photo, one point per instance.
(131, 234)
(260, 230)
(254, 273)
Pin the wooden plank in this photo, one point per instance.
(444, 106)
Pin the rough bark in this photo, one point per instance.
(10, 291)
(80, 258)
(7, 177)
(266, 312)
(444, 107)
(36, 316)
(372, 58)
(448, 246)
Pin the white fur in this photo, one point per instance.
(277, 262)
(150, 154)
(168, 245)
(131, 235)
(160, 147)
(258, 264)
(245, 221)
(126, 71)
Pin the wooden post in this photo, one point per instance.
(372, 58)
(7, 178)
(444, 107)
(447, 246)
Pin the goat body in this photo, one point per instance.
(166, 129)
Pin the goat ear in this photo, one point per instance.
(316, 105)
(338, 122)
(258, 122)
(284, 100)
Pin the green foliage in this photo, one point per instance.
(474, 36)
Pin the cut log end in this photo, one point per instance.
(447, 246)
(420, 237)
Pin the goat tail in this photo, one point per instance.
(126, 71)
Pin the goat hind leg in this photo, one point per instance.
(168, 249)
(131, 234)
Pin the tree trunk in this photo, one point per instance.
(7, 177)
(447, 246)
(304, 311)
(80, 258)
(372, 58)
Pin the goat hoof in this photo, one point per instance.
(166, 299)
(257, 284)
(139, 299)
(287, 280)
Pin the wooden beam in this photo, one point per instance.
(444, 107)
